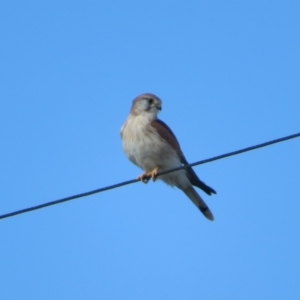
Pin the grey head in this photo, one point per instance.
(146, 103)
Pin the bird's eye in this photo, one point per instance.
(150, 101)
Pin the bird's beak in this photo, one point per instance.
(158, 106)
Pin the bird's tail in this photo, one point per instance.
(197, 200)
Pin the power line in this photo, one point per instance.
(25, 210)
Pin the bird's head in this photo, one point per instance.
(146, 104)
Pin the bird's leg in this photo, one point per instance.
(153, 173)
(145, 177)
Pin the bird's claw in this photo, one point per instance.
(145, 177)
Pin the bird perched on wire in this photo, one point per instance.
(150, 144)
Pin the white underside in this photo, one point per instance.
(146, 149)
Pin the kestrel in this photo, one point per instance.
(151, 145)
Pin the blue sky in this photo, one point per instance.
(228, 73)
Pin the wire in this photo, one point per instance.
(25, 210)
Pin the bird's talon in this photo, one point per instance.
(153, 174)
(144, 178)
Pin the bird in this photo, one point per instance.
(150, 144)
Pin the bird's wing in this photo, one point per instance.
(166, 133)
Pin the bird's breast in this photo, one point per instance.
(144, 146)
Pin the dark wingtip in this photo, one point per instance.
(213, 191)
(208, 190)
(194, 180)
